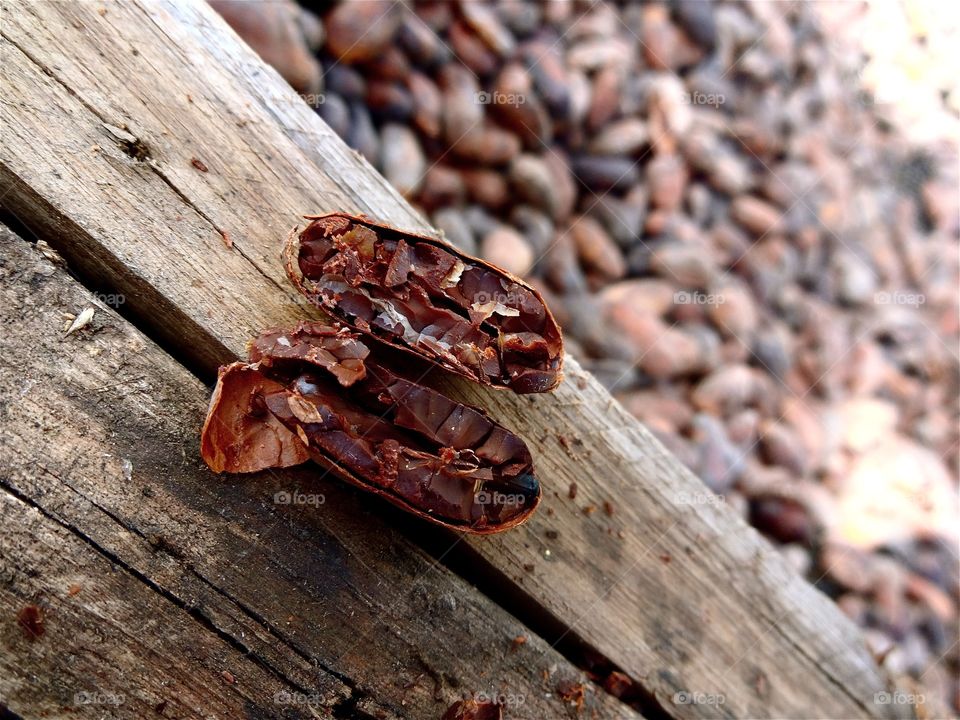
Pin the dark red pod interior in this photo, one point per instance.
(425, 297)
(314, 392)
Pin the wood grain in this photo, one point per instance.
(681, 594)
(111, 645)
(190, 575)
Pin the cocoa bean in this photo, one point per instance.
(462, 107)
(455, 229)
(697, 19)
(275, 32)
(389, 101)
(601, 174)
(623, 137)
(427, 104)
(733, 310)
(521, 17)
(720, 461)
(667, 177)
(402, 159)
(442, 186)
(362, 135)
(345, 81)
(783, 519)
(533, 181)
(471, 50)
(621, 218)
(361, 31)
(486, 144)
(647, 295)
(605, 97)
(550, 75)
(506, 248)
(517, 106)
(535, 226)
(421, 43)
(560, 265)
(755, 215)
(598, 253)
(483, 21)
(486, 187)
(335, 113)
(390, 65)
(686, 266)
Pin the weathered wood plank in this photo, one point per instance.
(685, 597)
(110, 645)
(99, 431)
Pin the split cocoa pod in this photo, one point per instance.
(340, 394)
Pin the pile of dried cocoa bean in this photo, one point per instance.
(735, 240)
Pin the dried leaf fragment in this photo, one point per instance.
(81, 321)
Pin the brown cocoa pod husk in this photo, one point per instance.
(317, 392)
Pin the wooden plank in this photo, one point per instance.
(100, 437)
(684, 597)
(110, 645)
